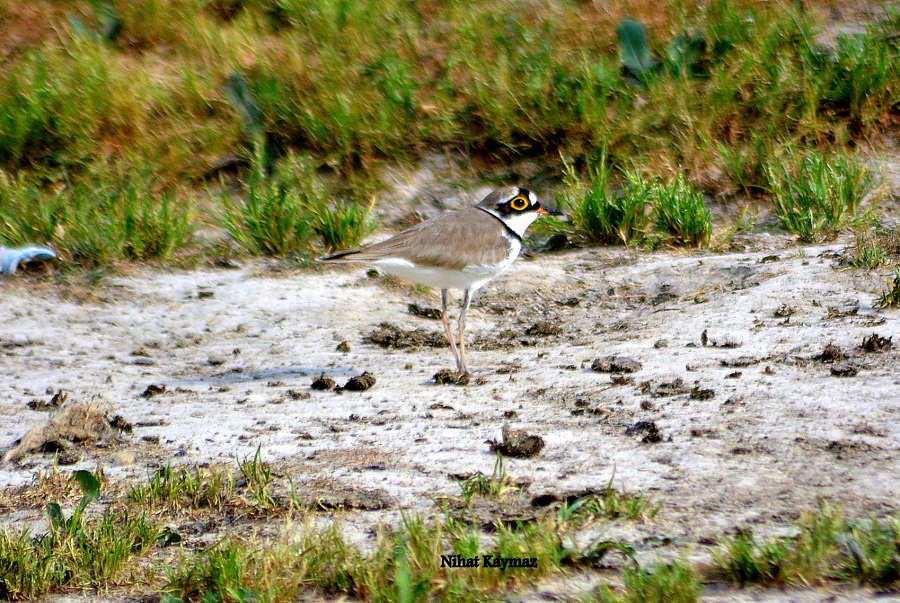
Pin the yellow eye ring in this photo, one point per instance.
(519, 203)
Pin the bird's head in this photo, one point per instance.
(517, 207)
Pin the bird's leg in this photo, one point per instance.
(467, 300)
(446, 322)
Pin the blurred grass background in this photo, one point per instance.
(120, 122)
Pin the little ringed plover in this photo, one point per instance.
(463, 249)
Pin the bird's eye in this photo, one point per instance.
(519, 203)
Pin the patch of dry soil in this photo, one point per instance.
(732, 414)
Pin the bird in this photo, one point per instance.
(464, 249)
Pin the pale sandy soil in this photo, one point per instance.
(237, 351)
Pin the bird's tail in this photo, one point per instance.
(340, 256)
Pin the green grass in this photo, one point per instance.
(185, 487)
(817, 196)
(891, 297)
(680, 214)
(600, 215)
(874, 248)
(310, 554)
(113, 216)
(75, 552)
(674, 583)
(285, 213)
(828, 547)
(355, 89)
(497, 485)
(610, 504)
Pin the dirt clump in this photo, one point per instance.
(544, 328)
(876, 343)
(424, 311)
(153, 390)
(516, 443)
(448, 377)
(616, 364)
(57, 400)
(652, 433)
(76, 424)
(360, 383)
(387, 335)
(323, 383)
(831, 353)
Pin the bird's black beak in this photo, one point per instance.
(549, 211)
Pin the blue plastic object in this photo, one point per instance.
(11, 257)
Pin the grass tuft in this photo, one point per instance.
(680, 214)
(674, 583)
(816, 196)
(827, 547)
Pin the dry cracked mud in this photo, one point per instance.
(733, 374)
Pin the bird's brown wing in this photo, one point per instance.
(455, 240)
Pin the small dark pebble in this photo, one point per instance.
(151, 439)
(615, 364)
(844, 370)
(702, 394)
(424, 311)
(360, 383)
(448, 377)
(294, 394)
(876, 343)
(323, 383)
(510, 414)
(769, 258)
(517, 443)
(621, 380)
(205, 294)
(647, 405)
(153, 390)
(343, 347)
(544, 328)
(734, 375)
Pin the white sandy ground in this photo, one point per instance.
(768, 444)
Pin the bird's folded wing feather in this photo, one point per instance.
(453, 241)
